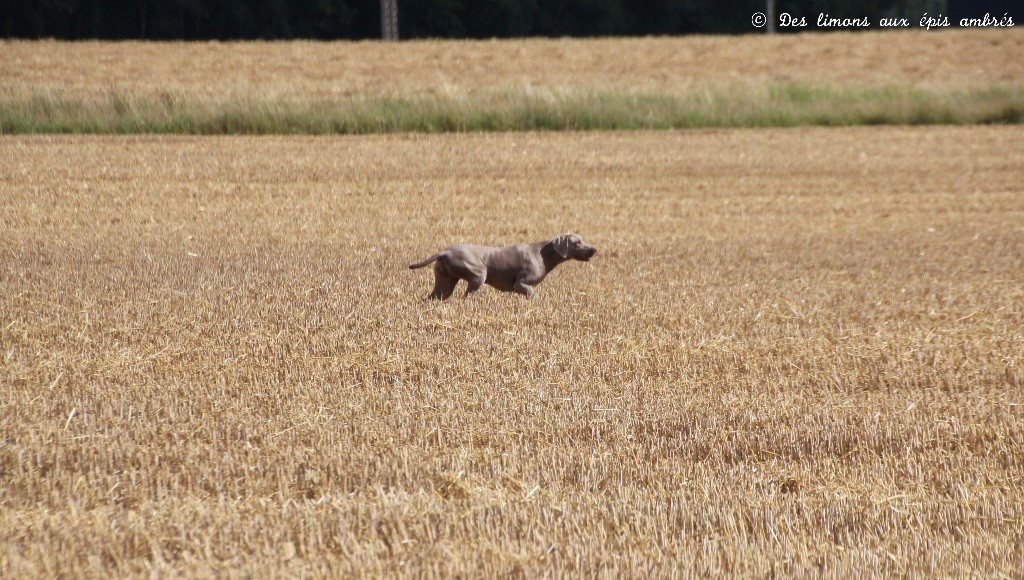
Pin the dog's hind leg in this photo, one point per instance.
(474, 285)
(474, 276)
(444, 283)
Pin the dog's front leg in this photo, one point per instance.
(522, 288)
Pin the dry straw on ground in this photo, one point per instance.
(799, 351)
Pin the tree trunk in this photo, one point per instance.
(389, 19)
(142, 19)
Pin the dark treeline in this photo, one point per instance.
(358, 19)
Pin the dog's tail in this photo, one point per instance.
(426, 262)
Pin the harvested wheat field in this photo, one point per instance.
(948, 59)
(962, 77)
(797, 351)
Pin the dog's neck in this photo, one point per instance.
(550, 256)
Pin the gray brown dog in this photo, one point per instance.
(511, 269)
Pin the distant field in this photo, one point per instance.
(946, 77)
(225, 70)
(215, 359)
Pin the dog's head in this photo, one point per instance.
(573, 247)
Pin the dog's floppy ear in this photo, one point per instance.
(561, 244)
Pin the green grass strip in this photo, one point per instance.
(777, 105)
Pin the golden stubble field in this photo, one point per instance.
(798, 351)
(298, 70)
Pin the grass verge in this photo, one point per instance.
(776, 105)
